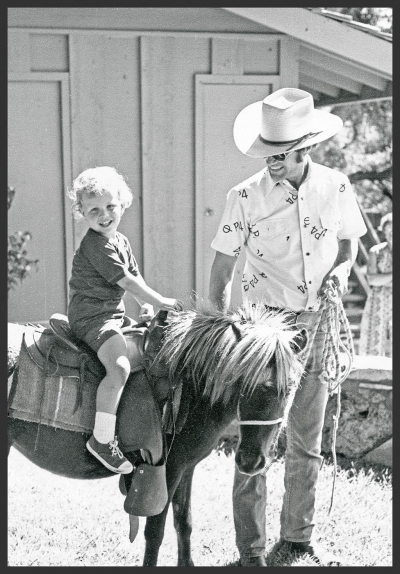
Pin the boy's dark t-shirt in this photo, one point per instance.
(98, 264)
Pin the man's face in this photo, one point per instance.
(289, 168)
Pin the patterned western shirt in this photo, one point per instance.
(290, 237)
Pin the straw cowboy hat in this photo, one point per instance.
(284, 121)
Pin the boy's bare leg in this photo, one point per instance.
(103, 444)
(114, 355)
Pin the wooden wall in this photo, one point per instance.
(131, 104)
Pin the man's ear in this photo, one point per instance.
(300, 341)
(305, 150)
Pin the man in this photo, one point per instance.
(298, 223)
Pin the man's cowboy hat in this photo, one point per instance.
(284, 121)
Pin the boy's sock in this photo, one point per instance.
(104, 427)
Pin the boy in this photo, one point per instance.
(103, 269)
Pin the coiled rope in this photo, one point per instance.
(333, 372)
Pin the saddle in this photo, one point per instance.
(60, 357)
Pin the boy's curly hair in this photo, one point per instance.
(94, 181)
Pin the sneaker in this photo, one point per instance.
(110, 455)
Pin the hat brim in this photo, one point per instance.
(247, 137)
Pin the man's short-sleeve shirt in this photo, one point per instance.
(290, 237)
(98, 264)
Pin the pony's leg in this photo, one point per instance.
(183, 517)
(154, 534)
(155, 525)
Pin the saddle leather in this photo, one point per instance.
(53, 355)
(46, 350)
(134, 334)
(59, 324)
(139, 419)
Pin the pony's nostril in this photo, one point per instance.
(263, 463)
(250, 463)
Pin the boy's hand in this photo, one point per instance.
(146, 312)
(172, 305)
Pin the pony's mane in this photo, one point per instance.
(216, 350)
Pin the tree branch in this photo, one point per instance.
(371, 175)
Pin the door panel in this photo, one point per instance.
(219, 164)
(36, 171)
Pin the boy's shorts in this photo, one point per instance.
(96, 331)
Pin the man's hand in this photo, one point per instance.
(337, 278)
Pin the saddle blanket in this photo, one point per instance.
(51, 399)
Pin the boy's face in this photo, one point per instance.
(103, 212)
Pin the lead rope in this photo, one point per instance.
(333, 374)
(332, 312)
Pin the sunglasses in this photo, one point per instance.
(281, 156)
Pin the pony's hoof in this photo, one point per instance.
(186, 563)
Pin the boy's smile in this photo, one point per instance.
(103, 212)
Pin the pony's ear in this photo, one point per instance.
(300, 340)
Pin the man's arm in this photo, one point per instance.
(340, 271)
(221, 280)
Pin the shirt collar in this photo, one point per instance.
(309, 164)
(271, 184)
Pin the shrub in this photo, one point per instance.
(19, 265)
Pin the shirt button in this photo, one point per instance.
(307, 254)
(309, 282)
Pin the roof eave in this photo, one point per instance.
(343, 41)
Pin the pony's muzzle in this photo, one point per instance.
(251, 464)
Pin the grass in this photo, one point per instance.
(55, 521)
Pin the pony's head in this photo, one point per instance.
(249, 358)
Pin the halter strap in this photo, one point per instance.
(273, 422)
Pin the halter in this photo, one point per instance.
(271, 422)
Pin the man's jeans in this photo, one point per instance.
(302, 462)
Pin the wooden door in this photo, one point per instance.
(219, 164)
(39, 170)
